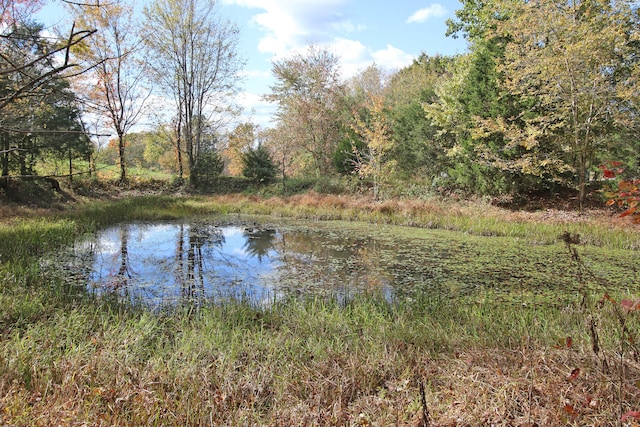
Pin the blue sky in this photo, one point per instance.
(360, 32)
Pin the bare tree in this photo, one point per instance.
(196, 60)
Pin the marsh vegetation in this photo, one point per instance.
(492, 314)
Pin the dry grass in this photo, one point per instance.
(477, 387)
(74, 363)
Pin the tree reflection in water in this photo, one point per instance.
(190, 263)
(192, 278)
(259, 242)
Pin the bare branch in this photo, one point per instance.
(74, 38)
(47, 132)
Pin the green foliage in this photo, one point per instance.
(344, 160)
(333, 185)
(418, 147)
(566, 76)
(41, 120)
(258, 165)
(208, 168)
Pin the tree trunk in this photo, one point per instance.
(6, 148)
(582, 182)
(70, 165)
(121, 155)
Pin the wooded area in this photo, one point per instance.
(547, 93)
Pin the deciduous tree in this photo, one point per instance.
(196, 60)
(309, 97)
(113, 87)
(561, 61)
(373, 161)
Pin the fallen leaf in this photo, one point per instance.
(574, 374)
(631, 414)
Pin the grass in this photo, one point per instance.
(68, 359)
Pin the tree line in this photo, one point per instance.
(105, 73)
(547, 92)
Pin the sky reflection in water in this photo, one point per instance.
(173, 263)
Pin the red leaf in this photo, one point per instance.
(631, 414)
(608, 174)
(569, 410)
(574, 374)
(627, 212)
(569, 342)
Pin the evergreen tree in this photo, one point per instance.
(258, 165)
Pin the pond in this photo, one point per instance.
(195, 262)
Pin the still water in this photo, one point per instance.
(196, 262)
(192, 262)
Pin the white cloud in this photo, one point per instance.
(392, 58)
(256, 74)
(433, 11)
(354, 56)
(256, 109)
(292, 24)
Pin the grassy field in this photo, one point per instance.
(68, 359)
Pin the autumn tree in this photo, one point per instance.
(560, 62)
(309, 96)
(471, 93)
(197, 63)
(160, 149)
(375, 130)
(242, 138)
(359, 90)
(113, 87)
(18, 12)
(284, 151)
(455, 112)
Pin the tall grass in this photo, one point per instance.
(69, 359)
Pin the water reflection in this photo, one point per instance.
(189, 263)
(194, 262)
